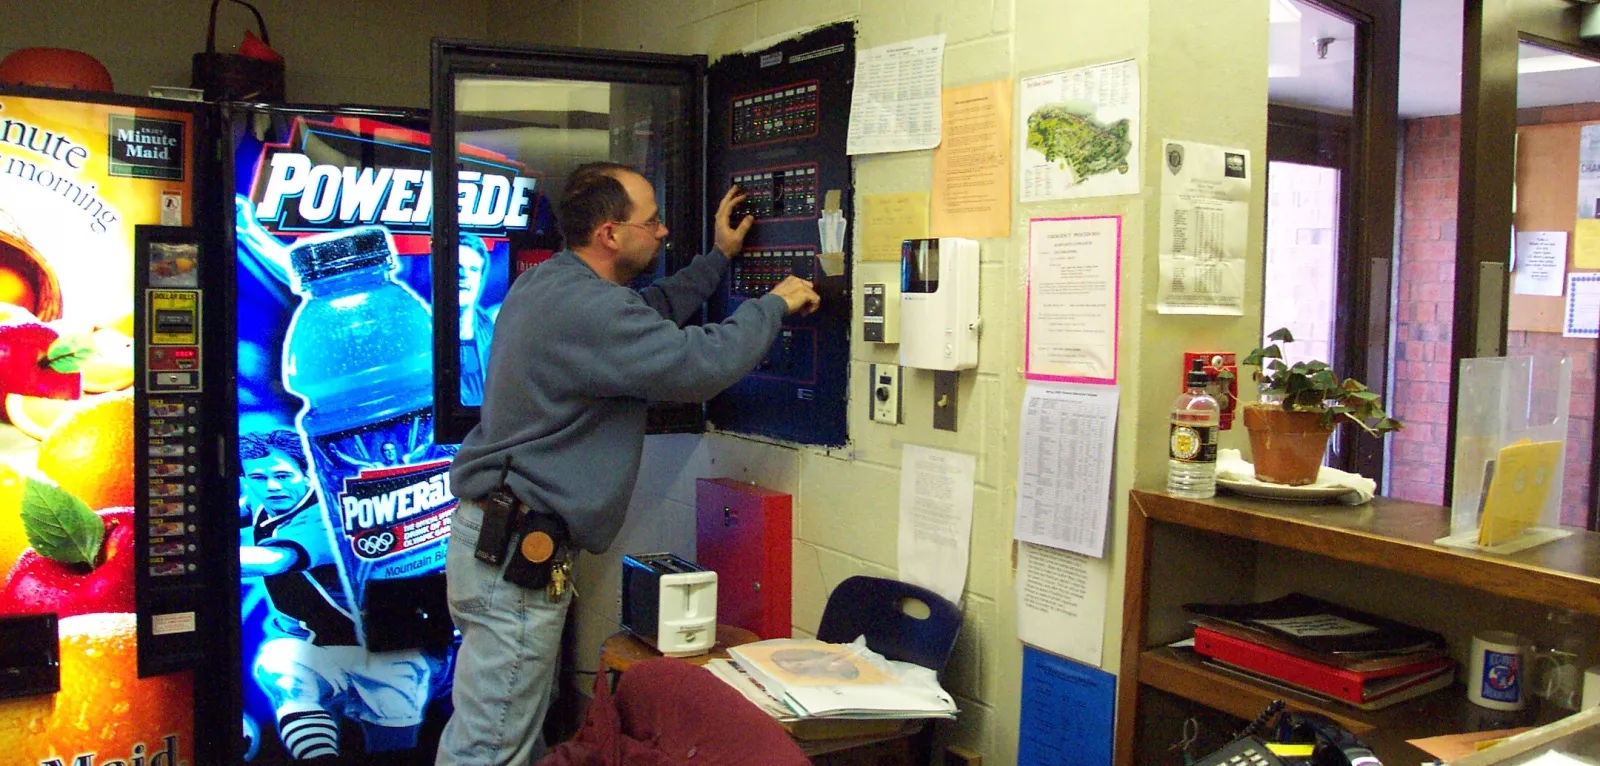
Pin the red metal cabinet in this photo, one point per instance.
(744, 534)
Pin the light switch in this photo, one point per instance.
(885, 393)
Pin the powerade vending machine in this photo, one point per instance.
(106, 574)
(345, 505)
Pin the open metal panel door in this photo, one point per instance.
(509, 124)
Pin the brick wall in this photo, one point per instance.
(1423, 310)
(1426, 287)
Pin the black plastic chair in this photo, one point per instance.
(876, 607)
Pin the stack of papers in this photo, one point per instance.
(797, 679)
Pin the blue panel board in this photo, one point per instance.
(778, 124)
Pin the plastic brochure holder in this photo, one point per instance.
(1505, 408)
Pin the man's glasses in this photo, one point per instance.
(652, 223)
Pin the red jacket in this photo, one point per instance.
(667, 712)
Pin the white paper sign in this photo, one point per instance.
(895, 104)
(1205, 221)
(936, 518)
(1064, 474)
(1074, 273)
(1582, 319)
(1541, 263)
(1589, 172)
(1080, 132)
(1061, 602)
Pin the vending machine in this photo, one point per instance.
(345, 645)
(107, 458)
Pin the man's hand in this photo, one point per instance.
(797, 293)
(730, 240)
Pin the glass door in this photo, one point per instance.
(512, 122)
(1554, 223)
(1530, 86)
(1332, 84)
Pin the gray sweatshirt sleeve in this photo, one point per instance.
(637, 353)
(679, 296)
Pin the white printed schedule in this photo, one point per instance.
(1064, 473)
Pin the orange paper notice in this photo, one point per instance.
(972, 167)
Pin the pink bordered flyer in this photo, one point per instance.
(1074, 298)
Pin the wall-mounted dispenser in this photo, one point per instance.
(939, 303)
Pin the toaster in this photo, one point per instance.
(669, 603)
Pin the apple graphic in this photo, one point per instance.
(40, 584)
(28, 363)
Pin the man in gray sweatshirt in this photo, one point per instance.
(575, 356)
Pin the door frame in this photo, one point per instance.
(453, 58)
(1492, 31)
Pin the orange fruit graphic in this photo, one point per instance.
(103, 706)
(34, 415)
(122, 324)
(89, 451)
(110, 366)
(13, 541)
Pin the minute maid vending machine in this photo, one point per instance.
(107, 565)
(345, 504)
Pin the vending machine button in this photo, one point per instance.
(175, 379)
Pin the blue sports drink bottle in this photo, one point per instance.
(359, 352)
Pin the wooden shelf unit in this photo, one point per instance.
(1395, 535)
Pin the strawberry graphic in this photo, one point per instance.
(36, 361)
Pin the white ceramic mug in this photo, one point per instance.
(1497, 664)
(1591, 687)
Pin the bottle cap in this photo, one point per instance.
(1197, 374)
(326, 256)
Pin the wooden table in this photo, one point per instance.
(623, 649)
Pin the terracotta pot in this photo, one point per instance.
(1287, 446)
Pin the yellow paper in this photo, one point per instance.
(972, 166)
(1449, 747)
(1586, 244)
(1523, 476)
(889, 219)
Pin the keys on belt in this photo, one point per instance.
(560, 580)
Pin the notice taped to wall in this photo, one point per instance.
(1205, 223)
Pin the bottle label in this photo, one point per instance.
(386, 491)
(1193, 444)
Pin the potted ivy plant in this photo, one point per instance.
(1299, 407)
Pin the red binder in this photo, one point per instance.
(1350, 686)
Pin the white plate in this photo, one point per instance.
(1283, 491)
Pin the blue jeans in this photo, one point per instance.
(506, 667)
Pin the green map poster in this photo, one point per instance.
(1080, 132)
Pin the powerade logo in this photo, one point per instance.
(332, 177)
(389, 510)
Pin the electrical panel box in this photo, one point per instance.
(777, 128)
(880, 313)
(742, 532)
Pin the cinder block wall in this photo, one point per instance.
(846, 500)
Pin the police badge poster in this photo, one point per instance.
(341, 481)
(75, 179)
